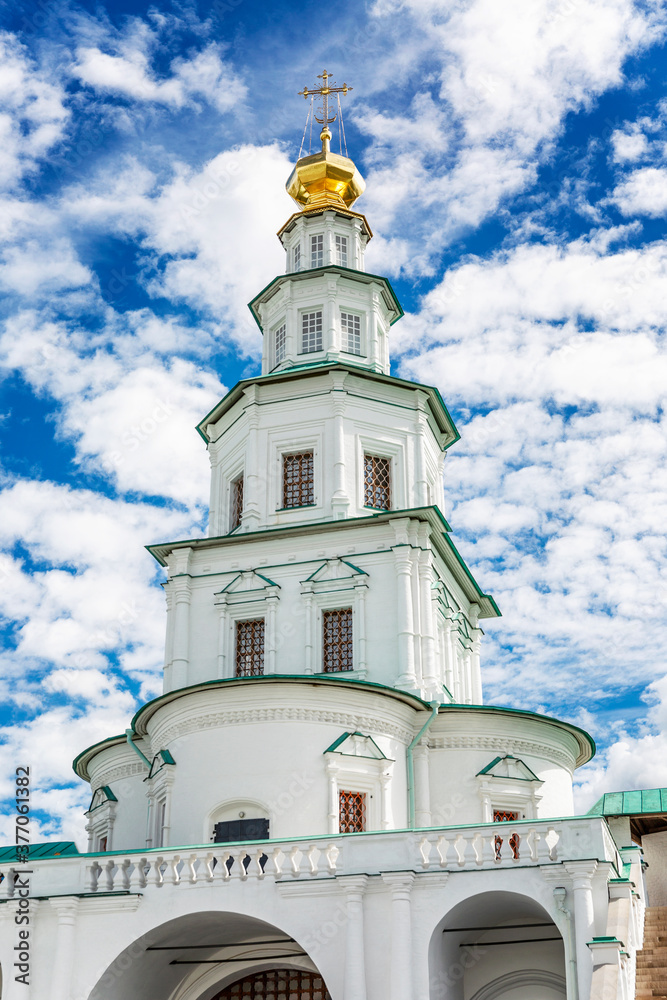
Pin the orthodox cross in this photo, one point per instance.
(324, 92)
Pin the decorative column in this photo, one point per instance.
(421, 428)
(333, 816)
(271, 608)
(475, 666)
(169, 638)
(223, 624)
(374, 355)
(429, 676)
(306, 593)
(355, 957)
(61, 975)
(340, 501)
(422, 785)
(400, 960)
(331, 323)
(215, 500)
(360, 591)
(581, 873)
(180, 585)
(251, 485)
(406, 636)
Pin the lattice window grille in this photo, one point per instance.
(277, 984)
(351, 329)
(250, 648)
(341, 250)
(505, 816)
(311, 332)
(298, 480)
(351, 811)
(236, 507)
(316, 251)
(280, 342)
(377, 482)
(297, 257)
(338, 652)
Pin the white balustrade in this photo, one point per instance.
(502, 845)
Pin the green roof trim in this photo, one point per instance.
(337, 269)
(638, 802)
(316, 367)
(108, 796)
(432, 514)
(58, 849)
(345, 736)
(508, 756)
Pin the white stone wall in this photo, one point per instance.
(654, 847)
(259, 747)
(338, 416)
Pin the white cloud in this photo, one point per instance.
(32, 112)
(644, 192)
(129, 74)
(508, 76)
(628, 147)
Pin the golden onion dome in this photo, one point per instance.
(325, 179)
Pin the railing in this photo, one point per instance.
(500, 846)
(486, 846)
(135, 874)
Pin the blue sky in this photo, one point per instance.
(516, 165)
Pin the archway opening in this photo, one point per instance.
(296, 984)
(199, 956)
(497, 946)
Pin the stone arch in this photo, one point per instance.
(164, 961)
(497, 945)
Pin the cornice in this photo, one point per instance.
(505, 744)
(165, 732)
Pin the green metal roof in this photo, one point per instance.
(640, 802)
(59, 849)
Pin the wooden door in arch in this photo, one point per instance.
(277, 984)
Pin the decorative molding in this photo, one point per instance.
(116, 774)
(504, 744)
(217, 720)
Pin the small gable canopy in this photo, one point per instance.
(161, 758)
(508, 767)
(356, 745)
(101, 796)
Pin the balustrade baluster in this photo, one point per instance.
(332, 855)
(123, 875)
(7, 885)
(171, 874)
(459, 848)
(425, 851)
(109, 868)
(137, 879)
(295, 857)
(313, 857)
(93, 872)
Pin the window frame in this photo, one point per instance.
(296, 257)
(237, 641)
(235, 506)
(390, 473)
(364, 796)
(303, 316)
(344, 333)
(324, 613)
(341, 249)
(316, 250)
(285, 455)
(279, 350)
